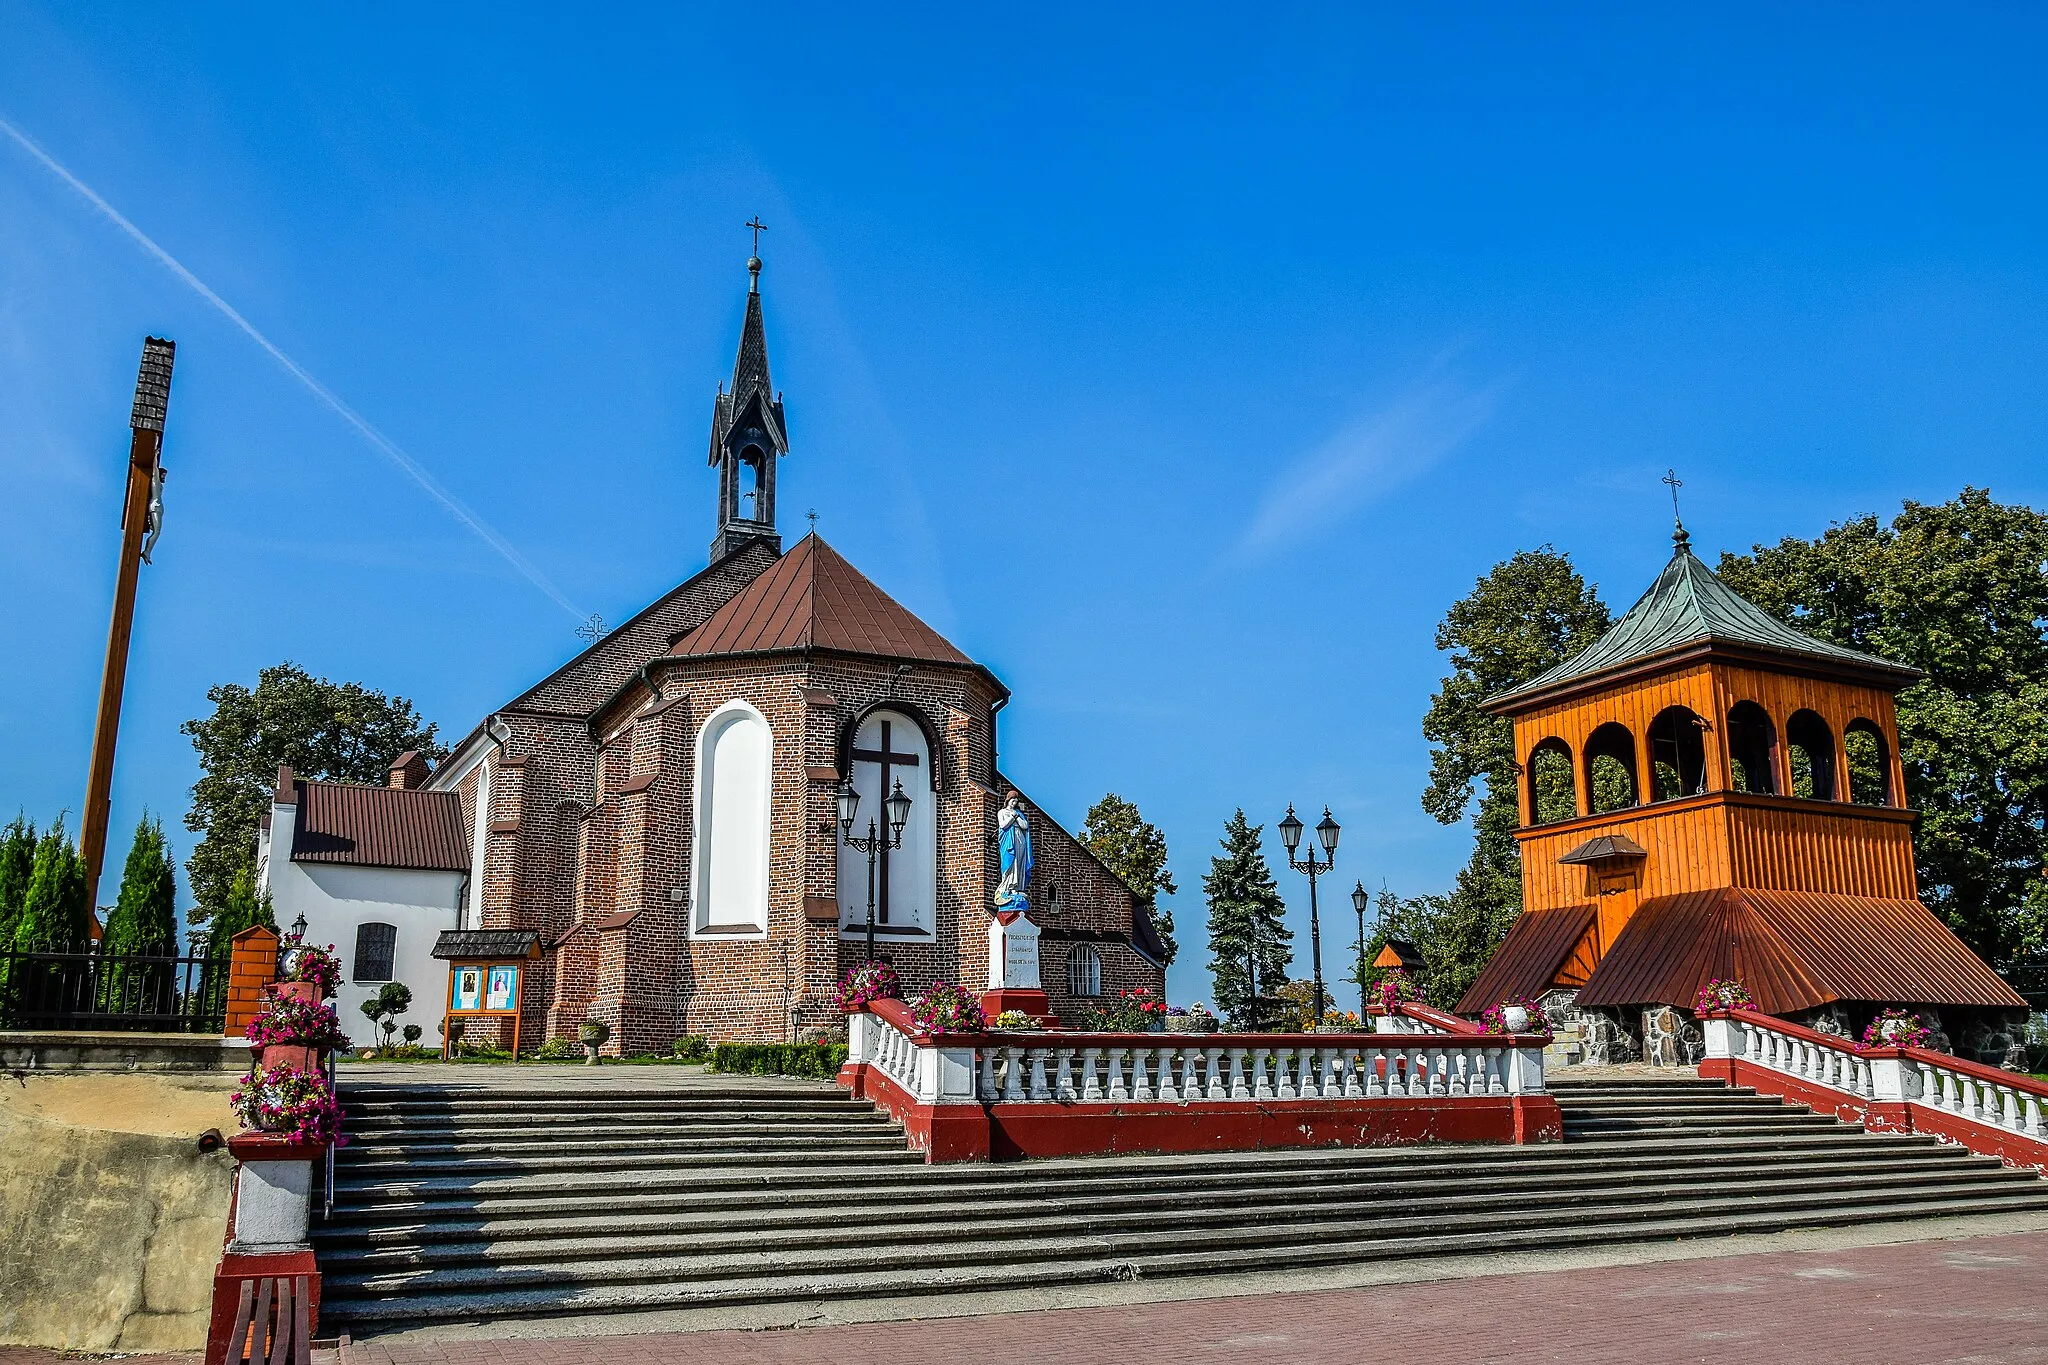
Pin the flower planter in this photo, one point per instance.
(285, 1054)
(297, 990)
(1192, 1023)
(1516, 1017)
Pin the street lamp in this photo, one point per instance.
(1326, 835)
(1359, 900)
(898, 810)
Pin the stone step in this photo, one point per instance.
(396, 1223)
(758, 1276)
(652, 1122)
(808, 1229)
(737, 1139)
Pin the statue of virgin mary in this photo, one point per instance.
(1013, 833)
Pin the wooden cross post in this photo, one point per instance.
(145, 454)
(886, 759)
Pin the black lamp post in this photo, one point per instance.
(899, 814)
(1359, 900)
(1326, 834)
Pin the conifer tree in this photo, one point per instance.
(1244, 901)
(145, 915)
(17, 859)
(242, 909)
(53, 910)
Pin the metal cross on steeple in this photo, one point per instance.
(759, 227)
(1678, 535)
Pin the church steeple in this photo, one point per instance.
(747, 434)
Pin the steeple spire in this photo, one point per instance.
(747, 432)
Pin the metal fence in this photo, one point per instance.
(84, 988)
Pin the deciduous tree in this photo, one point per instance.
(335, 731)
(1135, 850)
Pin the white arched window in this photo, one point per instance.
(906, 878)
(734, 765)
(1084, 970)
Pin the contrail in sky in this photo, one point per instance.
(347, 414)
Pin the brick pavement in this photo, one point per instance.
(1976, 1300)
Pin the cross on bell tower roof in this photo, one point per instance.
(748, 437)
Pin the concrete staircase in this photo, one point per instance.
(527, 1199)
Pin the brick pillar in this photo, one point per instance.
(251, 967)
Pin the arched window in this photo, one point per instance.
(907, 877)
(734, 753)
(1752, 749)
(750, 483)
(1611, 769)
(1870, 763)
(1084, 970)
(1810, 747)
(376, 946)
(1553, 793)
(1678, 754)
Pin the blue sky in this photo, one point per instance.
(1180, 364)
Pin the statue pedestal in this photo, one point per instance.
(1013, 970)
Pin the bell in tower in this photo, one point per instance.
(747, 434)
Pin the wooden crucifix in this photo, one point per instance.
(886, 758)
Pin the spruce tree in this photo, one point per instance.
(53, 911)
(1244, 901)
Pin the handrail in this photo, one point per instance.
(1448, 1022)
(1799, 1031)
(1467, 1034)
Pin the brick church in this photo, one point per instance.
(657, 821)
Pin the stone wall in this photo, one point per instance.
(111, 1219)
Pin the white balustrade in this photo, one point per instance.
(1914, 1077)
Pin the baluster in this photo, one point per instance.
(1118, 1089)
(1497, 1059)
(1378, 1071)
(1354, 1080)
(1212, 1060)
(1283, 1074)
(1091, 1088)
(1013, 1075)
(1063, 1088)
(1262, 1080)
(1141, 1078)
(1333, 1078)
(1240, 1083)
(1039, 1089)
(984, 1073)
(1169, 1093)
(1461, 1079)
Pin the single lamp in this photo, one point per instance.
(849, 804)
(899, 807)
(1290, 832)
(1359, 899)
(1327, 832)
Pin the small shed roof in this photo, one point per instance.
(476, 944)
(1528, 959)
(347, 822)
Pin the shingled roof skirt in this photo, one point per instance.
(1687, 608)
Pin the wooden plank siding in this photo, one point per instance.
(1721, 838)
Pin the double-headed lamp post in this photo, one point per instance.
(898, 804)
(1326, 834)
(1359, 900)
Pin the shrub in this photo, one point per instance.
(412, 1034)
(558, 1050)
(820, 1060)
(693, 1047)
(1133, 1011)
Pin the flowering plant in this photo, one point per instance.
(1135, 1011)
(1495, 1018)
(947, 1008)
(304, 962)
(1393, 987)
(1896, 1028)
(284, 1099)
(297, 1023)
(1341, 1021)
(1200, 1010)
(1723, 995)
(1015, 1019)
(866, 983)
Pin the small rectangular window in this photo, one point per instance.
(1084, 971)
(376, 945)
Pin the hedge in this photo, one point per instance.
(821, 1060)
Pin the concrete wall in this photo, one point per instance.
(335, 898)
(111, 1220)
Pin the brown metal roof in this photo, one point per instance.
(1793, 950)
(342, 822)
(1528, 958)
(1602, 848)
(813, 599)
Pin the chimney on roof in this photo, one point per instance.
(409, 771)
(287, 793)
